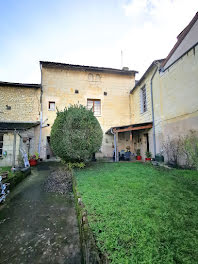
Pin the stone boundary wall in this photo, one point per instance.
(18, 177)
(90, 253)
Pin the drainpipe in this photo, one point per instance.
(41, 115)
(115, 146)
(153, 116)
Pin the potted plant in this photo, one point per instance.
(139, 157)
(148, 156)
(33, 159)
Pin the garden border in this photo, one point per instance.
(18, 177)
(90, 252)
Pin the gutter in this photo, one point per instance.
(41, 114)
(115, 146)
(153, 115)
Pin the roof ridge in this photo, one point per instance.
(36, 85)
(86, 67)
(181, 37)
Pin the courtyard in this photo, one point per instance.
(141, 214)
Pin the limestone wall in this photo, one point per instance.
(59, 86)
(135, 101)
(176, 99)
(19, 104)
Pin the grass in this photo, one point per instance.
(142, 214)
(6, 168)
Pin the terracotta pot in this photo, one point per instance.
(139, 157)
(148, 159)
(33, 162)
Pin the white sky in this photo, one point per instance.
(89, 32)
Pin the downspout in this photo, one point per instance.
(153, 116)
(41, 114)
(115, 147)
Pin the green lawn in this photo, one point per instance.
(142, 214)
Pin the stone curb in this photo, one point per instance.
(91, 254)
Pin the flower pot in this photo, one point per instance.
(139, 157)
(33, 162)
(147, 159)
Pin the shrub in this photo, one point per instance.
(173, 149)
(182, 150)
(76, 134)
(148, 154)
(138, 152)
(190, 149)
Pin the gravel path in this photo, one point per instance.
(59, 181)
(40, 227)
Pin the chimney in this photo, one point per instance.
(125, 68)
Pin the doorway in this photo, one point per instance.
(49, 152)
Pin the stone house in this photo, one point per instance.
(176, 98)
(133, 114)
(19, 120)
(105, 90)
(167, 93)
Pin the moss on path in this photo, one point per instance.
(38, 227)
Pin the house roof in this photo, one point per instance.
(146, 72)
(132, 127)
(58, 65)
(180, 38)
(24, 85)
(8, 126)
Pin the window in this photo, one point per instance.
(1, 144)
(51, 106)
(98, 78)
(143, 99)
(90, 77)
(95, 105)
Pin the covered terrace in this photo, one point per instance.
(130, 138)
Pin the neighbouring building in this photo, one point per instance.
(19, 120)
(134, 115)
(176, 98)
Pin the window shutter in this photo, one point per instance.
(141, 102)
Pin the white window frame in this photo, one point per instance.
(143, 101)
(51, 102)
(94, 100)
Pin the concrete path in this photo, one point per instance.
(38, 227)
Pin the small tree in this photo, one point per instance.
(76, 134)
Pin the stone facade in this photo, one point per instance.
(176, 103)
(19, 104)
(112, 89)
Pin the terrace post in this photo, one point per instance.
(117, 155)
(14, 149)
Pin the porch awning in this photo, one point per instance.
(9, 126)
(132, 127)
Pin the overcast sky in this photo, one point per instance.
(87, 32)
